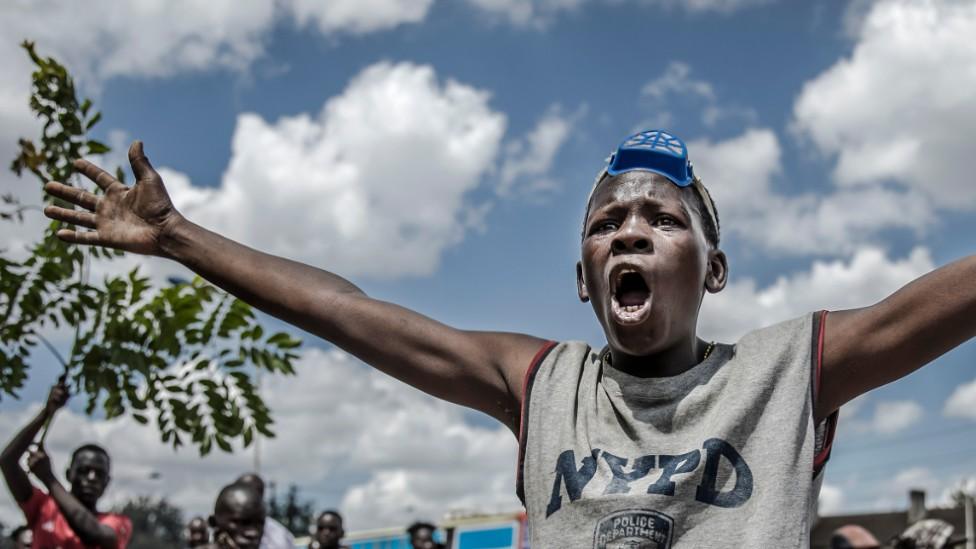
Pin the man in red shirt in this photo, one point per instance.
(60, 518)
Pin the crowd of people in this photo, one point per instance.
(60, 518)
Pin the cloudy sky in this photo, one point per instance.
(438, 154)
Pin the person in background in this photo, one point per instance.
(197, 532)
(22, 538)
(928, 534)
(422, 536)
(328, 531)
(852, 536)
(276, 536)
(66, 519)
(238, 518)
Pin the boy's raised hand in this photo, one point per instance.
(40, 464)
(58, 396)
(132, 219)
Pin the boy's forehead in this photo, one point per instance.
(635, 184)
(90, 458)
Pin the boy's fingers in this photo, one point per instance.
(140, 164)
(74, 195)
(79, 237)
(75, 217)
(101, 177)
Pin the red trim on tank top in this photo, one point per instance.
(527, 379)
(821, 458)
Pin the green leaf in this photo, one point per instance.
(94, 120)
(224, 445)
(97, 147)
(284, 341)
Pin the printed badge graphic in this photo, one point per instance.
(634, 529)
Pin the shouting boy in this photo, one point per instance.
(660, 439)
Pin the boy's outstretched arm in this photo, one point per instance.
(869, 347)
(482, 370)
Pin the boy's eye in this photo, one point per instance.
(603, 226)
(666, 221)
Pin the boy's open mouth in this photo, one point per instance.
(631, 298)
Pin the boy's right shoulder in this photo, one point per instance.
(563, 354)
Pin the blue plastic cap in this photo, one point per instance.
(655, 151)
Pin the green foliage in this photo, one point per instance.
(295, 514)
(180, 356)
(156, 524)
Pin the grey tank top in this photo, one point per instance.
(724, 455)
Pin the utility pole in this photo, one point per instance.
(970, 534)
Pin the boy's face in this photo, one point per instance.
(645, 263)
(238, 519)
(89, 476)
(197, 532)
(423, 538)
(328, 530)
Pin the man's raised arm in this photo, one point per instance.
(16, 478)
(477, 369)
(869, 347)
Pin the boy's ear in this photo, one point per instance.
(718, 271)
(212, 521)
(584, 295)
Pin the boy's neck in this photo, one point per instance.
(667, 363)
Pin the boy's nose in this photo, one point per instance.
(632, 238)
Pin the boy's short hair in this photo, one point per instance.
(413, 528)
(90, 447)
(332, 512)
(707, 211)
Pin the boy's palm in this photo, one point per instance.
(126, 218)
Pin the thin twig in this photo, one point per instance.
(53, 350)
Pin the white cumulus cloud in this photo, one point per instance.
(676, 85)
(962, 402)
(893, 416)
(866, 278)
(540, 13)
(375, 184)
(101, 39)
(358, 16)
(899, 108)
(740, 173)
(526, 13)
(528, 160)
(831, 500)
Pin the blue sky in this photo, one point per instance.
(438, 154)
